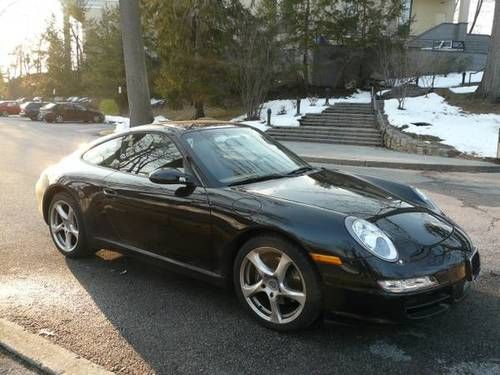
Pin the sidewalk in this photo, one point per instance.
(365, 156)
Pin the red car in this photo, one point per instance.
(8, 107)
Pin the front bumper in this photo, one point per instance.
(370, 303)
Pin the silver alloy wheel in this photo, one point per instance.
(97, 119)
(272, 285)
(59, 118)
(64, 226)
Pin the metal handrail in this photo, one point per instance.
(471, 73)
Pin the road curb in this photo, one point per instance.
(44, 354)
(413, 166)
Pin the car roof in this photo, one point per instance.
(181, 127)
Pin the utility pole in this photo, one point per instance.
(135, 64)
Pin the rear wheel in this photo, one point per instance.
(98, 119)
(67, 227)
(277, 283)
(59, 118)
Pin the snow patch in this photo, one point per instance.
(470, 133)
(122, 124)
(464, 89)
(450, 80)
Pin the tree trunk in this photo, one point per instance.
(67, 38)
(490, 84)
(135, 64)
(199, 110)
(305, 57)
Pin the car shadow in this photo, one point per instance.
(181, 325)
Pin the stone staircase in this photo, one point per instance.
(342, 123)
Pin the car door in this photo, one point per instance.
(170, 221)
(80, 113)
(99, 162)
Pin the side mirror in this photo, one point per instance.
(170, 176)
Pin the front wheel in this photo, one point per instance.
(277, 283)
(98, 119)
(67, 227)
(59, 118)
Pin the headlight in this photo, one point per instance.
(372, 238)
(426, 199)
(408, 285)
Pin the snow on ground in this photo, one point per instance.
(450, 80)
(464, 89)
(288, 109)
(469, 133)
(123, 123)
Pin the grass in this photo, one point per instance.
(187, 112)
(469, 102)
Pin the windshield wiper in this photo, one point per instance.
(257, 179)
(300, 170)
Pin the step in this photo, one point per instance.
(347, 111)
(333, 124)
(339, 127)
(338, 119)
(339, 142)
(330, 139)
(325, 130)
(313, 135)
(342, 115)
(347, 104)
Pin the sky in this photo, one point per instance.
(21, 22)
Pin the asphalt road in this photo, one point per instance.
(132, 317)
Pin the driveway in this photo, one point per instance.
(135, 318)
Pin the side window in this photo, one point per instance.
(143, 153)
(106, 154)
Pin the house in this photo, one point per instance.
(438, 33)
(427, 14)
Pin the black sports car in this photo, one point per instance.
(66, 111)
(227, 204)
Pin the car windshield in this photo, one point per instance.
(240, 155)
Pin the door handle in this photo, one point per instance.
(110, 192)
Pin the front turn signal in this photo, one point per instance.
(326, 259)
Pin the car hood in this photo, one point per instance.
(339, 192)
(410, 227)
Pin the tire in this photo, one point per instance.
(98, 119)
(59, 119)
(5, 114)
(78, 245)
(300, 280)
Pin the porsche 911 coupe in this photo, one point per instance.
(227, 204)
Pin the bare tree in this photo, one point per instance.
(394, 64)
(253, 58)
(490, 84)
(135, 64)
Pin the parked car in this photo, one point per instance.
(9, 107)
(227, 204)
(60, 112)
(32, 109)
